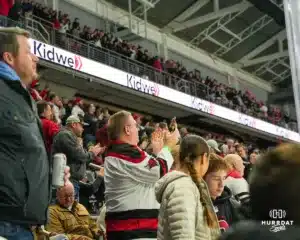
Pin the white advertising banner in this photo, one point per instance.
(88, 66)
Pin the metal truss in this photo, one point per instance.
(216, 26)
(269, 67)
(188, 12)
(278, 3)
(284, 75)
(245, 34)
(140, 10)
(250, 57)
(210, 16)
(266, 58)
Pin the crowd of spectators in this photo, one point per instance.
(214, 91)
(155, 180)
(94, 120)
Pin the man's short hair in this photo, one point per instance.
(274, 183)
(8, 40)
(116, 124)
(41, 106)
(240, 146)
(52, 96)
(217, 163)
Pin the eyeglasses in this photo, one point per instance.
(68, 196)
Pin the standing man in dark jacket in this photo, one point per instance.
(24, 172)
(67, 142)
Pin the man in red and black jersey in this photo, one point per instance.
(130, 175)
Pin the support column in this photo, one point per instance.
(216, 6)
(163, 47)
(130, 14)
(292, 19)
(145, 20)
(55, 5)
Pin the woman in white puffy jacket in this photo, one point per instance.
(186, 211)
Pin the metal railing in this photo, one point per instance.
(119, 61)
(37, 29)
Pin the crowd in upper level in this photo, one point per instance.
(245, 102)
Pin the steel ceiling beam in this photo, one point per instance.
(267, 58)
(282, 76)
(245, 34)
(147, 3)
(216, 5)
(210, 16)
(188, 12)
(278, 3)
(269, 66)
(279, 37)
(273, 8)
(216, 26)
(140, 10)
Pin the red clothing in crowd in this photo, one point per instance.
(5, 6)
(98, 160)
(44, 94)
(56, 24)
(34, 93)
(102, 136)
(157, 65)
(50, 129)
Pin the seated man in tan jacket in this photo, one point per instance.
(71, 218)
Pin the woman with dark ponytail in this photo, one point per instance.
(186, 211)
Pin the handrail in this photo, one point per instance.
(37, 28)
(122, 62)
(182, 83)
(111, 58)
(42, 21)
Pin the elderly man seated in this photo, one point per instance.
(71, 218)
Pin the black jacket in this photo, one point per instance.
(92, 195)
(92, 123)
(248, 170)
(67, 143)
(226, 208)
(24, 171)
(15, 12)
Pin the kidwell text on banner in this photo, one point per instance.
(88, 66)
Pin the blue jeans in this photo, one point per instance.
(12, 231)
